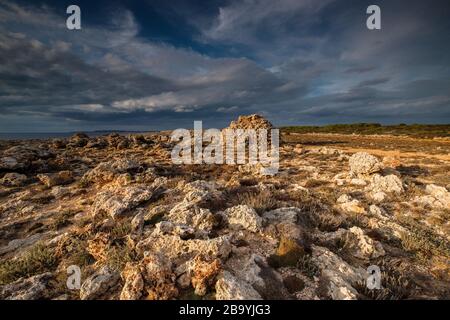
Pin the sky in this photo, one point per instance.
(154, 65)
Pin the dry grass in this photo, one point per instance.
(395, 283)
(73, 250)
(261, 201)
(422, 241)
(61, 220)
(37, 260)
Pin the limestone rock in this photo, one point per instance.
(337, 274)
(78, 140)
(253, 121)
(98, 284)
(438, 197)
(117, 203)
(358, 244)
(176, 248)
(255, 270)
(347, 204)
(191, 215)
(20, 157)
(284, 220)
(169, 228)
(134, 283)
(158, 276)
(362, 163)
(229, 287)
(379, 196)
(244, 216)
(13, 179)
(389, 184)
(107, 171)
(289, 251)
(21, 243)
(137, 223)
(32, 288)
(55, 179)
(203, 273)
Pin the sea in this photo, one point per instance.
(52, 135)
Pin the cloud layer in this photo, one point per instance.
(295, 61)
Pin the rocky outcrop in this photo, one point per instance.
(151, 278)
(203, 272)
(107, 171)
(176, 248)
(32, 288)
(118, 203)
(253, 121)
(437, 197)
(357, 243)
(13, 179)
(55, 179)
(78, 140)
(337, 275)
(21, 157)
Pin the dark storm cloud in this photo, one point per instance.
(291, 60)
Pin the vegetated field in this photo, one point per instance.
(414, 130)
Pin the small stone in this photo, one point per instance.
(244, 216)
(13, 179)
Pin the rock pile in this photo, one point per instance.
(253, 121)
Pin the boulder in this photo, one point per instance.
(362, 163)
(190, 214)
(440, 194)
(98, 284)
(245, 217)
(389, 184)
(32, 288)
(159, 279)
(78, 140)
(284, 222)
(289, 251)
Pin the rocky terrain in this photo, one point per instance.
(140, 227)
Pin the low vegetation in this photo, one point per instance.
(413, 130)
